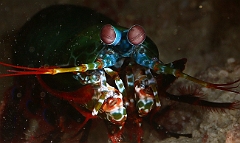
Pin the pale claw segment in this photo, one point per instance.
(145, 101)
(104, 93)
(118, 81)
(110, 101)
(145, 91)
(114, 109)
(153, 85)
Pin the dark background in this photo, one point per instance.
(206, 32)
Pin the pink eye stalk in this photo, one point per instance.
(110, 35)
(136, 35)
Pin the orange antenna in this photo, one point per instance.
(25, 70)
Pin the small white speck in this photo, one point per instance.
(230, 60)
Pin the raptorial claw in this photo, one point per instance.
(165, 69)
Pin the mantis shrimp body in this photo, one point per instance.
(72, 65)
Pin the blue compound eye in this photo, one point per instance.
(110, 35)
(136, 35)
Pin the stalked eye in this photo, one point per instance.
(110, 35)
(136, 35)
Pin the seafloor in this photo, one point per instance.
(206, 32)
